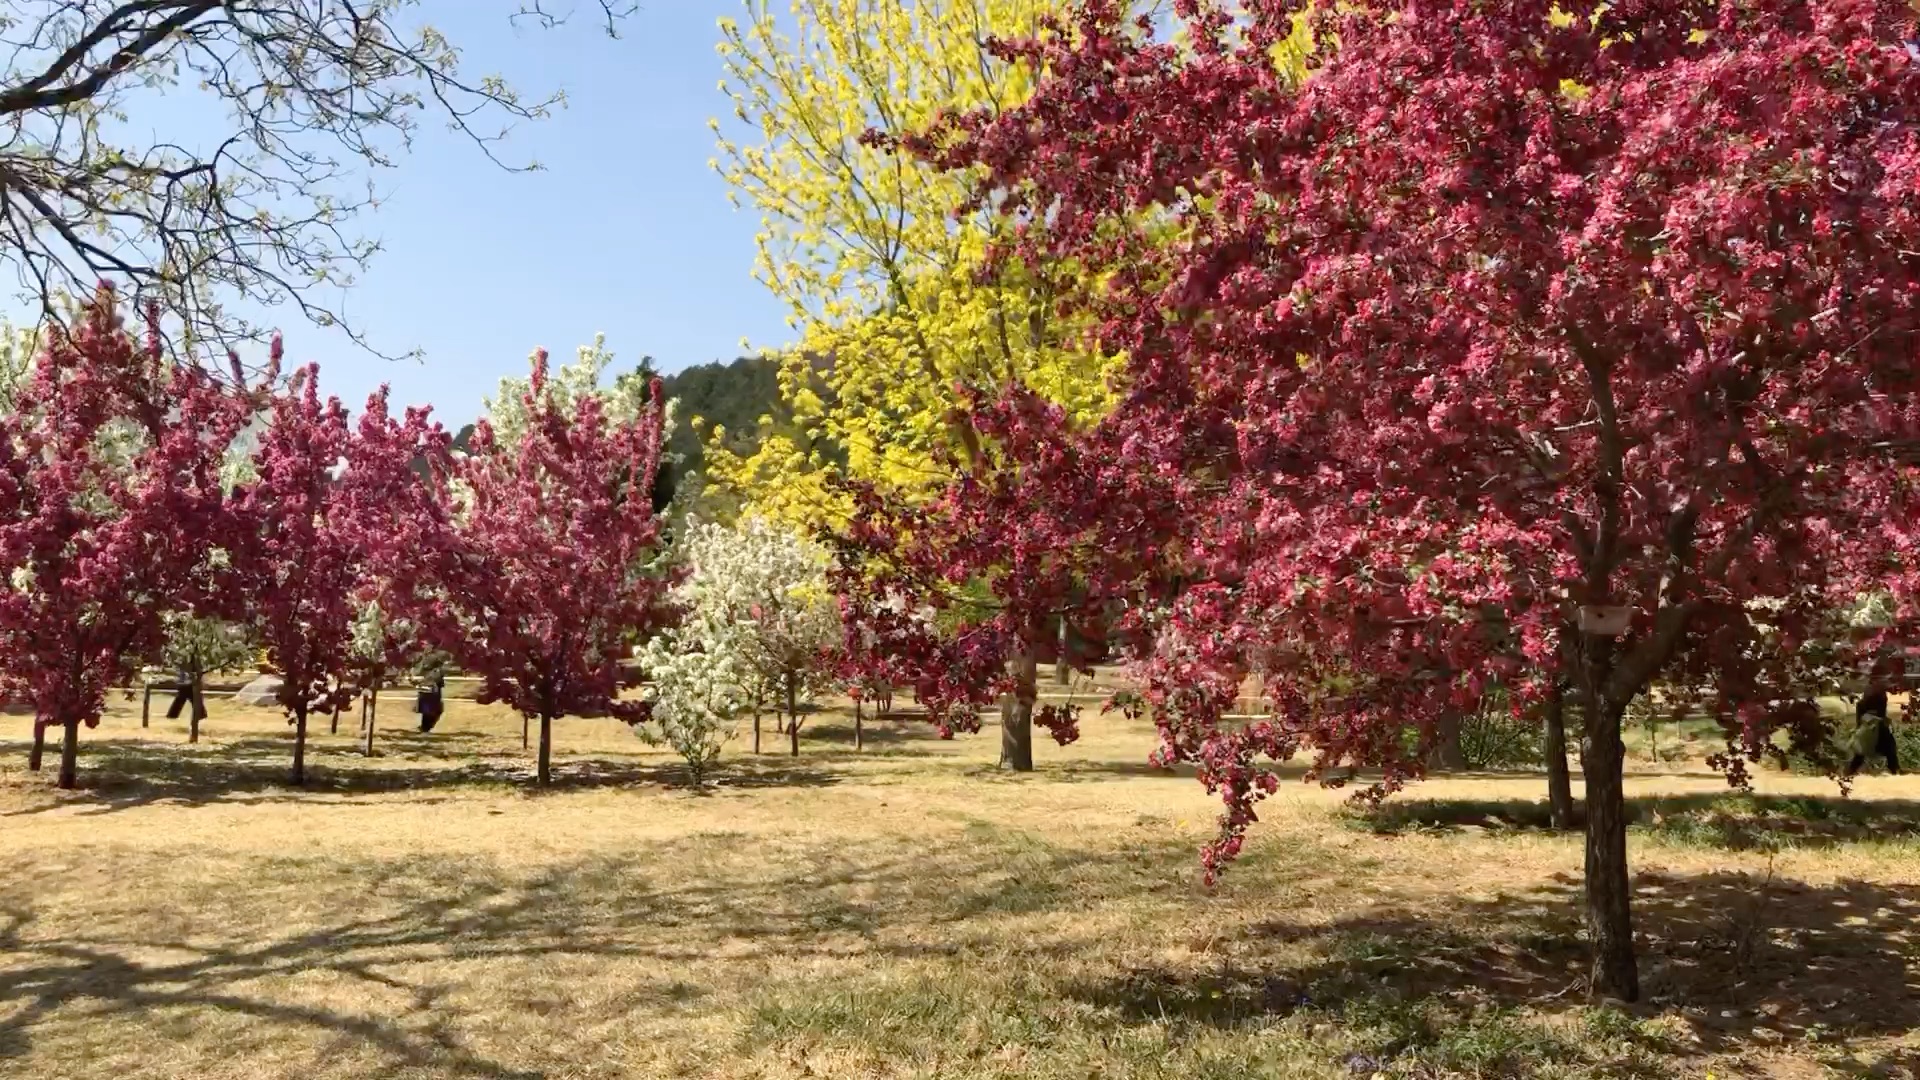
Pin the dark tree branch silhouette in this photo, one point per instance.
(310, 97)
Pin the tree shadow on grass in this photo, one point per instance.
(1741, 960)
(441, 942)
(1731, 820)
(117, 775)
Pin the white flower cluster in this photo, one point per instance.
(758, 618)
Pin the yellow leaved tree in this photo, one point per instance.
(883, 281)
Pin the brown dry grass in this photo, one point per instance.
(903, 912)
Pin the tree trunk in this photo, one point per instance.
(366, 712)
(525, 739)
(859, 708)
(1447, 754)
(1016, 716)
(300, 744)
(39, 745)
(69, 754)
(546, 748)
(1062, 672)
(1559, 780)
(146, 705)
(793, 720)
(335, 729)
(194, 709)
(756, 731)
(1609, 891)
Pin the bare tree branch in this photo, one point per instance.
(317, 97)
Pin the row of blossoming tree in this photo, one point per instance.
(1532, 349)
(149, 510)
(529, 565)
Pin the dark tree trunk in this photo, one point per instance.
(859, 708)
(146, 705)
(367, 712)
(335, 728)
(196, 710)
(69, 754)
(1447, 754)
(525, 738)
(546, 749)
(1559, 779)
(1016, 716)
(39, 745)
(793, 719)
(1062, 672)
(300, 744)
(1609, 891)
(756, 731)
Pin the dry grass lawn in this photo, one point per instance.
(906, 911)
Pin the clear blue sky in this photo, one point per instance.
(627, 231)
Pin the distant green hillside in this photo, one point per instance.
(733, 395)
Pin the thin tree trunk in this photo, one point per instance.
(859, 708)
(146, 705)
(335, 729)
(194, 709)
(793, 720)
(546, 749)
(300, 744)
(366, 722)
(1609, 912)
(1062, 673)
(525, 738)
(39, 745)
(1016, 716)
(1559, 779)
(756, 731)
(69, 754)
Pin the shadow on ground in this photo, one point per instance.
(117, 775)
(1730, 820)
(451, 946)
(1743, 961)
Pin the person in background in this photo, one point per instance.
(186, 692)
(1873, 730)
(431, 702)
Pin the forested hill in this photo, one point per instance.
(734, 395)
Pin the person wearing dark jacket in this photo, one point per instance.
(1873, 731)
(186, 692)
(431, 702)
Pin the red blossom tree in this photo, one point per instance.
(1000, 556)
(1505, 346)
(544, 580)
(310, 527)
(110, 503)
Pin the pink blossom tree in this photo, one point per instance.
(545, 579)
(110, 508)
(309, 528)
(1503, 346)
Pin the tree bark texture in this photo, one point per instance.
(1559, 778)
(1016, 716)
(300, 745)
(1609, 914)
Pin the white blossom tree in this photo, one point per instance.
(759, 621)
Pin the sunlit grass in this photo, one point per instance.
(902, 911)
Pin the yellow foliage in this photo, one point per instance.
(883, 280)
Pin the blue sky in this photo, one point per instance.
(627, 231)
